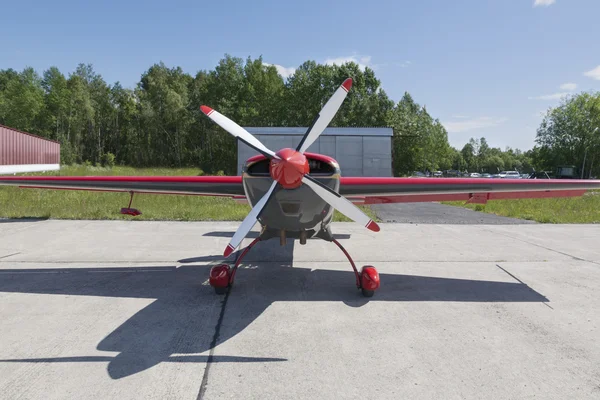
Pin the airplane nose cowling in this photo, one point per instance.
(289, 169)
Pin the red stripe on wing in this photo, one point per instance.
(168, 179)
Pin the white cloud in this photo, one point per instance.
(403, 64)
(472, 124)
(543, 3)
(283, 71)
(553, 96)
(460, 116)
(362, 61)
(568, 86)
(594, 73)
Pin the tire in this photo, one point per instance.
(221, 290)
(368, 293)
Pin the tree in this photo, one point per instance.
(22, 99)
(159, 123)
(569, 133)
(468, 155)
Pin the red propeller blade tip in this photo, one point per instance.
(206, 110)
(347, 84)
(228, 250)
(373, 226)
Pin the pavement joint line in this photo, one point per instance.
(213, 344)
(215, 339)
(27, 225)
(544, 247)
(10, 255)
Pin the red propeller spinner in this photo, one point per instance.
(289, 169)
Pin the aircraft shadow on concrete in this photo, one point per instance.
(181, 322)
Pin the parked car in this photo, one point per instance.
(451, 173)
(541, 175)
(474, 175)
(509, 175)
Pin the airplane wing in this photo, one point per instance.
(226, 186)
(380, 190)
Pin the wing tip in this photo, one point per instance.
(228, 250)
(347, 84)
(206, 110)
(373, 226)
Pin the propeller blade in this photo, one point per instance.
(340, 203)
(325, 116)
(237, 131)
(249, 222)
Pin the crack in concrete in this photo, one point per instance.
(543, 247)
(10, 255)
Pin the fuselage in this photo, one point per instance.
(292, 210)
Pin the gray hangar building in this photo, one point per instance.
(359, 151)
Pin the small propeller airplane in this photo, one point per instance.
(293, 193)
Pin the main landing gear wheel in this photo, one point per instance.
(369, 280)
(222, 275)
(221, 290)
(219, 278)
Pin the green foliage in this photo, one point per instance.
(478, 156)
(158, 123)
(419, 142)
(570, 135)
(573, 210)
(108, 160)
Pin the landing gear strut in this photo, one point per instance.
(130, 211)
(367, 280)
(222, 276)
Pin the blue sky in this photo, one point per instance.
(483, 67)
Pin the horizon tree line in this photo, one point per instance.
(159, 124)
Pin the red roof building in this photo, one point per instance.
(24, 152)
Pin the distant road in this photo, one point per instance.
(435, 213)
